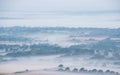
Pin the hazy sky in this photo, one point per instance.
(72, 13)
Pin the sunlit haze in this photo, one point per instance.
(62, 13)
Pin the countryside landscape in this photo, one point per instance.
(30, 48)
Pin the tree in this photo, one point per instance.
(75, 70)
(94, 70)
(81, 70)
(100, 71)
(107, 71)
(67, 69)
(60, 67)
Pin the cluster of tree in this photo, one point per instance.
(42, 49)
(83, 70)
(78, 31)
(33, 49)
(13, 38)
(107, 49)
(99, 50)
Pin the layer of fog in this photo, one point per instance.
(62, 39)
(72, 19)
(52, 61)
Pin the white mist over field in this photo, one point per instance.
(52, 62)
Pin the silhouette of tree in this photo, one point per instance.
(67, 69)
(107, 71)
(100, 71)
(81, 70)
(75, 70)
(60, 67)
(112, 72)
(94, 70)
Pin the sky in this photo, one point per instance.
(67, 13)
